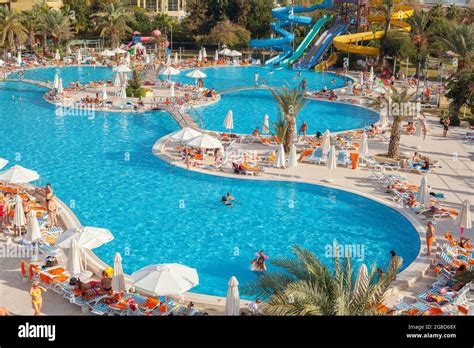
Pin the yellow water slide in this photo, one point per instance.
(325, 65)
(350, 43)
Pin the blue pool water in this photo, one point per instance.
(232, 77)
(250, 107)
(70, 74)
(103, 167)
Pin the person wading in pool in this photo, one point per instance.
(258, 264)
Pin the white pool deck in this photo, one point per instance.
(454, 180)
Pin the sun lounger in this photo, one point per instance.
(343, 158)
(317, 156)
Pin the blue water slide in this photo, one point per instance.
(315, 55)
(286, 17)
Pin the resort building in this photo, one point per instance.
(173, 8)
(25, 5)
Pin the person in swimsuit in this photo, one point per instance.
(259, 263)
(52, 208)
(6, 208)
(430, 236)
(230, 197)
(303, 129)
(393, 261)
(226, 201)
(36, 298)
(27, 207)
(106, 282)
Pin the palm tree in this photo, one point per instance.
(436, 12)
(460, 90)
(113, 22)
(452, 13)
(60, 26)
(31, 24)
(401, 107)
(459, 38)
(308, 287)
(386, 9)
(42, 10)
(420, 34)
(13, 32)
(290, 102)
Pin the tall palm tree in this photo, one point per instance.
(386, 9)
(13, 32)
(290, 102)
(60, 26)
(460, 90)
(42, 10)
(459, 38)
(113, 22)
(308, 287)
(420, 34)
(452, 13)
(401, 106)
(31, 23)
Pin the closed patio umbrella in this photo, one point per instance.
(229, 121)
(128, 59)
(79, 57)
(331, 162)
(216, 56)
(371, 74)
(104, 92)
(165, 279)
(266, 125)
(200, 56)
(465, 220)
(204, 53)
(280, 160)
(118, 278)
(361, 78)
(74, 265)
(2, 62)
(292, 159)
(19, 60)
(176, 58)
(117, 80)
(364, 147)
(60, 86)
(56, 81)
(33, 232)
(57, 56)
(18, 214)
(18, 175)
(326, 143)
(232, 301)
(172, 93)
(123, 92)
(424, 192)
(383, 118)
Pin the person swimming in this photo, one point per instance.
(333, 81)
(226, 201)
(258, 264)
(230, 197)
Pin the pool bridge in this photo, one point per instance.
(248, 88)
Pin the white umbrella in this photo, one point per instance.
(147, 59)
(172, 94)
(465, 220)
(176, 58)
(57, 56)
(123, 92)
(79, 57)
(128, 58)
(3, 162)
(292, 158)
(216, 56)
(2, 62)
(185, 134)
(332, 162)
(18, 213)
(118, 50)
(235, 53)
(364, 147)
(18, 175)
(418, 128)
(107, 53)
(326, 143)
(266, 125)
(200, 56)
(117, 80)
(196, 74)
(371, 74)
(229, 121)
(232, 301)
(383, 118)
(205, 141)
(170, 71)
(225, 52)
(74, 264)
(86, 237)
(18, 58)
(122, 69)
(118, 278)
(33, 232)
(204, 52)
(350, 87)
(104, 92)
(165, 279)
(361, 78)
(68, 50)
(60, 86)
(424, 192)
(56, 81)
(280, 159)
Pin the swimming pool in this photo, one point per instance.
(70, 74)
(103, 168)
(250, 107)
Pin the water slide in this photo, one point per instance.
(324, 65)
(350, 43)
(306, 41)
(316, 53)
(286, 17)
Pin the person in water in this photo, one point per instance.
(226, 201)
(333, 81)
(230, 197)
(258, 264)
